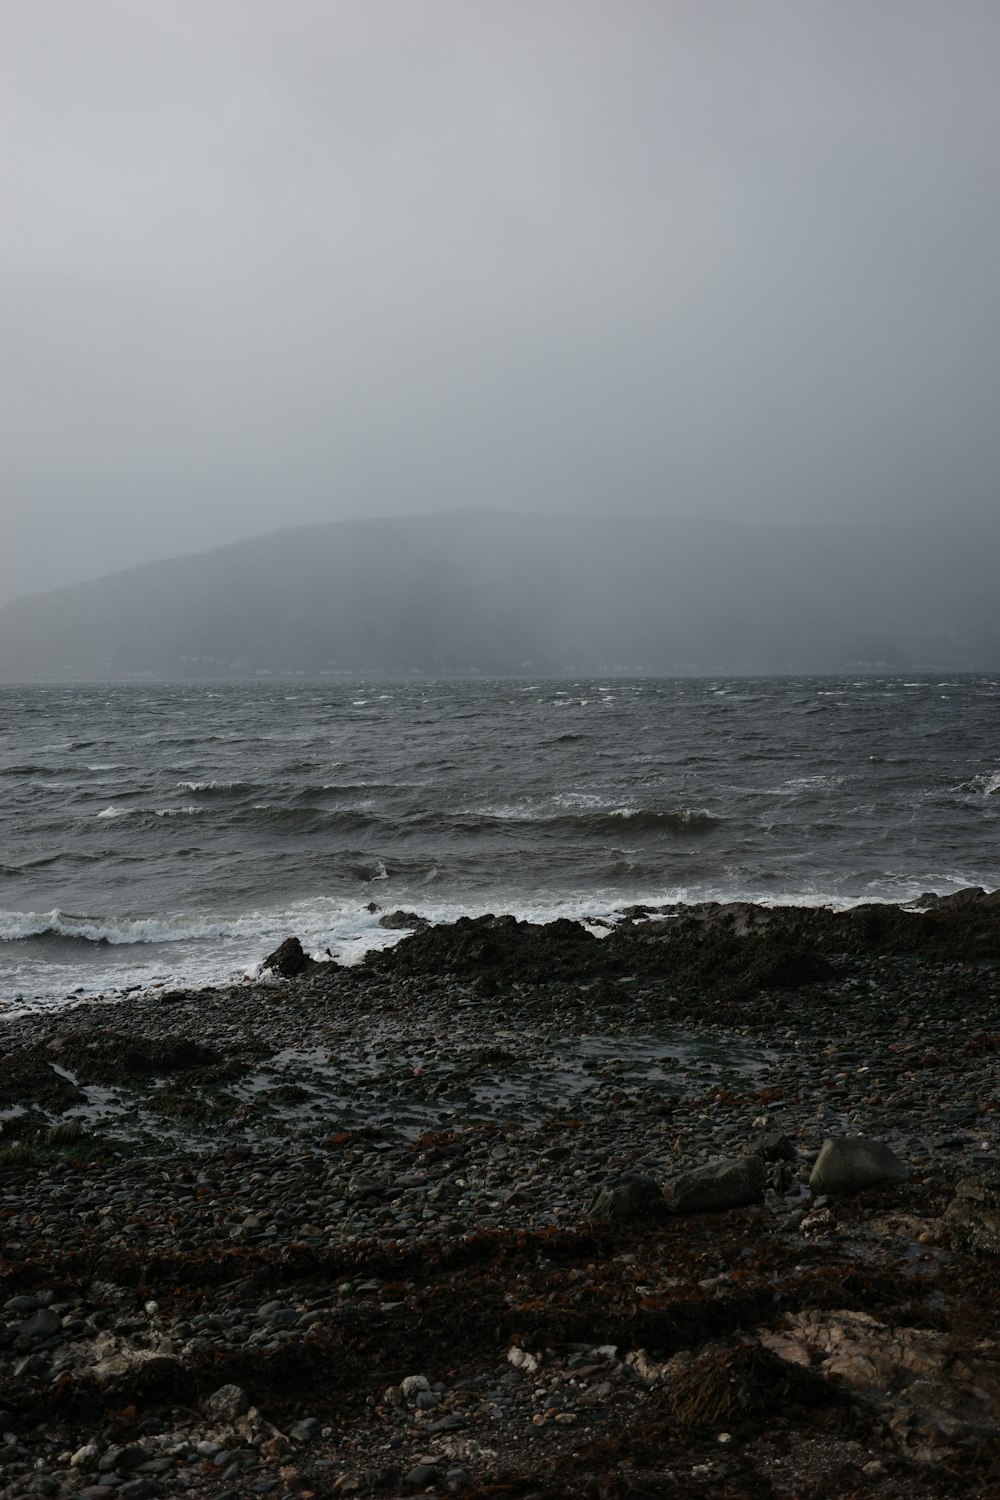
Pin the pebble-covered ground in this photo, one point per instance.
(345, 1233)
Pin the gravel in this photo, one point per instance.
(180, 1272)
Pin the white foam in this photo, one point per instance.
(114, 812)
(210, 786)
(195, 950)
(986, 784)
(120, 930)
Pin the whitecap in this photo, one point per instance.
(119, 930)
(209, 786)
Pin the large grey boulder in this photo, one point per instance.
(848, 1163)
(728, 1183)
(974, 1212)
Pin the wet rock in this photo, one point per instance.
(974, 1212)
(122, 1459)
(40, 1326)
(405, 920)
(720, 1184)
(847, 1164)
(142, 1374)
(21, 1306)
(628, 1199)
(86, 1456)
(413, 1385)
(226, 1404)
(772, 1145)
(472, 945)
(118, 1057)
(29, 1076)
(303, 1431)
(289, 959)
(420, 1476)
(138, 1489)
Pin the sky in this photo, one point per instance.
(272, 262)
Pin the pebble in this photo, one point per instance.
(413, 1134)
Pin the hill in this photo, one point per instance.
(498, 593)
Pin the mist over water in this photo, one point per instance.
(168, 834)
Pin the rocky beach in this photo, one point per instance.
(515, 1209)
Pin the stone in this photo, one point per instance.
(21, 1305)
(628, 1199)
(974, 1212)
(404, 920)
(412, 1385)
(226, 1404)
(42, 1325)
(289, 959)
(772, 1145)
(420, 1476)
(304, 1430)
(849, 1163)
(727, 1183)
(137, 1489)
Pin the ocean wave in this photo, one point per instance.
(639, 820)
(606, 821)
(120, 930)
(986, 784)
(311, 819)
(116, 811)
(208, 788)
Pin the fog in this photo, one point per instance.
(490, 593)
(268, 264)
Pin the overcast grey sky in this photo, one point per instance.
(266, 262)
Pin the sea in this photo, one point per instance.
(173, 834)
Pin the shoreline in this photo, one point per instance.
(370, 929)
(369, 1198)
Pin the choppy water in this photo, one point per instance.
(168, 833)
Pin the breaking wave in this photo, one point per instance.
(216, 788)
(987, 784)
(115, 811)
(114, 930)
(608, 822)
